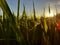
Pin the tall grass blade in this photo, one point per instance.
(18, 9)
(34, 13)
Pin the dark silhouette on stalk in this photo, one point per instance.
(34, 13)
(18, 10)
(49, 19)
(44, 13)
(49, 14)
(49, 9)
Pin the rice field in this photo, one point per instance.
(16, 30)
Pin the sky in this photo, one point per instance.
(39, 6)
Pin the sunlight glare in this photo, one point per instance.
(51, 14)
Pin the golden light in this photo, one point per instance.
(51, 14)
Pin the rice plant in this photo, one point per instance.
(15, 30)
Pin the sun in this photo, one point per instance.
(51, 14)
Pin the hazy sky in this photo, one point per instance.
(39, 5)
